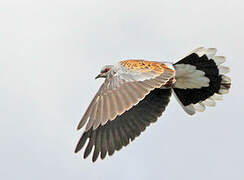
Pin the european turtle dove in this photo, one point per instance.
(135, 93)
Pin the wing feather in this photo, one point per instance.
(87, 113)
(98, 115)
(90, 144)
(114, 106)
(126, 99)
(123, 135)
(117, 138)
(132, 94)
(111, 145)
(104, 143)
(106, 109)
(98, 145)
(118, 99)
(82, 141)
(92, 117)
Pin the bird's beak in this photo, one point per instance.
(98, 76)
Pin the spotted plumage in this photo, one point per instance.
(145, 66)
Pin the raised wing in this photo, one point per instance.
(120, 132)
(127, 84)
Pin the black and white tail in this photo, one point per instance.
(200, 80)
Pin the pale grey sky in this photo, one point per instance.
(50, 52)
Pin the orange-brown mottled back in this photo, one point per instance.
(145, 66)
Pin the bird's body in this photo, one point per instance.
(136, 92)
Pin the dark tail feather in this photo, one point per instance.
(200, 80)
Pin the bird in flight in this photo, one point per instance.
(135, 93)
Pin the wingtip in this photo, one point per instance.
(81, 124)
(76, 150)
(78, 128)
(94, 158)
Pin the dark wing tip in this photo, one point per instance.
(116, 134)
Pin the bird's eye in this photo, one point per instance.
(107, 69)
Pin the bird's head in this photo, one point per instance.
(104, 71)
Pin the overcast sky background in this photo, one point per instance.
(50, 52)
